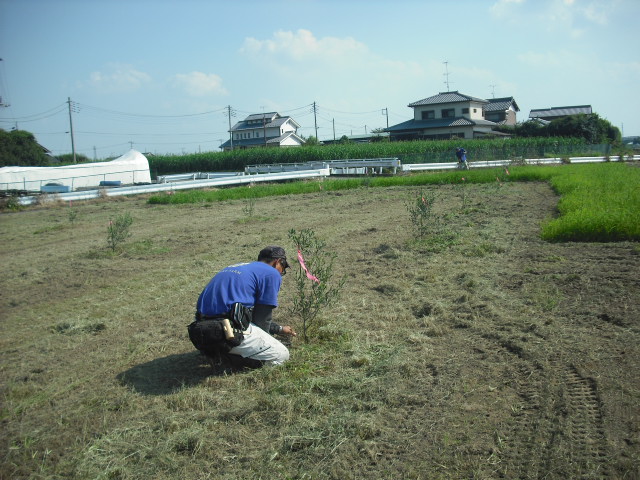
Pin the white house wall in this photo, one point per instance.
(466, 131)
(289, 142)
(457, 106)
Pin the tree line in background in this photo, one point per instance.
(591, 128)
(20, 148)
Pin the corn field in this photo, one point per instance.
(408, 152)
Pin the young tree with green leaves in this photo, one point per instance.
(315, 286)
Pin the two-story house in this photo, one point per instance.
(264, 130)
(447, 115)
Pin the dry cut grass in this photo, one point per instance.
(478, 351)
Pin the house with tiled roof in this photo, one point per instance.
(450, 115)
(264, 130)
(501, 110)
(549, 114)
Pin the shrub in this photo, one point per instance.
(118, 230)
(315, 288)
(420, 212)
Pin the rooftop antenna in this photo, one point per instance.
(493, 91)
(446, 74)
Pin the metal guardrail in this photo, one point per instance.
(337, 166)
(180, 177)
(505, 163)
(186, 185)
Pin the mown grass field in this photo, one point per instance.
(600, 202)
(480, 351)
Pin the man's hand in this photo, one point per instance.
(287, 330)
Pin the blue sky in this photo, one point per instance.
(158, 74)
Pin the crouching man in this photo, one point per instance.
(234, 312)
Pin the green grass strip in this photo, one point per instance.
(599, 202)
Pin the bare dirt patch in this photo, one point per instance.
(478, 352)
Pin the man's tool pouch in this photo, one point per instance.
(208, 333)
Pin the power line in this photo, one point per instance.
(39, 116)
(351, 113)
(145, 115)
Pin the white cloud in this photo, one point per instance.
(572, 16)
(558, 60)
(303, 58)
(303, 45)
(504, 8)
(119, 78)
(199, 84)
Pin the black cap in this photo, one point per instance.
(273, 252)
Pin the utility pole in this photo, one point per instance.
(315, 120)
(3, 104)
(264, 128)
(385, 111)
(333, 120)
(493, 91)
(230, 133)
(73, 146)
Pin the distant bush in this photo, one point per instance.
(20, 148)
(67, 158)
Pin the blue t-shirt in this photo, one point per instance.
(247, 283)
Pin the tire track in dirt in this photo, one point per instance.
(556, 430)
(584, 424)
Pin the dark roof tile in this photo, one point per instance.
(446, 97)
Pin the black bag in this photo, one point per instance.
(208, 334)
(240, 317)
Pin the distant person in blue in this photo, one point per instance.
(461, 153)
(255, 285)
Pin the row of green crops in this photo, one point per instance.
(408, 152)
(599, 202)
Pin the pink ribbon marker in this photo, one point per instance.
(310, 276)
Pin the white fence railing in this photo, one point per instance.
(185, 185)
(240, 178)
(338, 167)
(504, 163)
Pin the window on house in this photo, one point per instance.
(428, 114)
(466, 110)
(448, 112)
